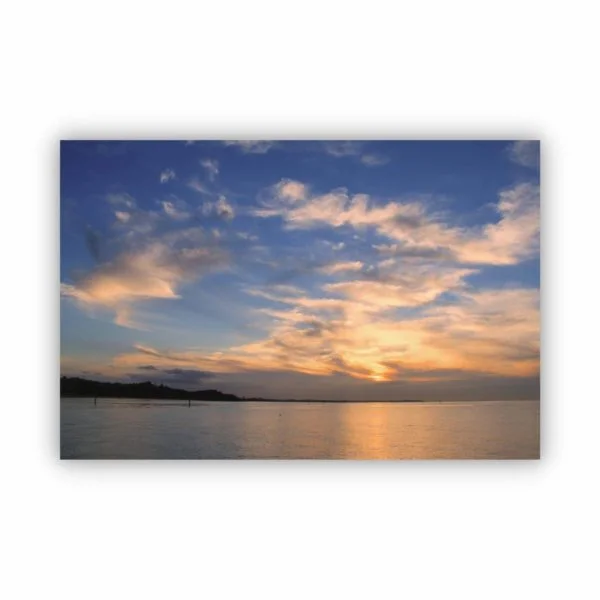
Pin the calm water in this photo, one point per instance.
(120, 428)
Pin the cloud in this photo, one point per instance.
(419, 286)
(221, 208)
(198, 186)
(155, 270)
(408, 252)
(167, 175)
(284, 194)
(290, 190)
(496, 330)
(511, 239)
(251, 146)
(176, 209)
(123, 200)
(515, 237)
(130, 217)
(188, 373)
(148, 351)
(374, 160)
(287, 289)
(491, 333)
(525, 153)
(211, 166)
(342, 267)
(389, 286)
(343, 148)
(244, 235)
(335, 245)
(173, 377)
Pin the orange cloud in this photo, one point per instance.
(154, 271)
(494, 332)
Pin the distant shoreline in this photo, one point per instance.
(77, 387)
(66, 397)
(290, 400)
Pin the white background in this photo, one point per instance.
(124, 69)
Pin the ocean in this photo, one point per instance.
(170, 429)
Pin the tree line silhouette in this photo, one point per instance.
(78, 387)
(87, 388)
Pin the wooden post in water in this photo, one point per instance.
(189, 402)
(95, 398)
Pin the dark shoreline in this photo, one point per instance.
(100, 398)
(76, 387)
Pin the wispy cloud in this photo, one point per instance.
(494, 332)
(252, 146)
(514, 237)
(421, 286)
(341, 149)
(167, 175)
(220, 208)
(335, 245)
(176, 209)
(122, 199)
(130, 217)
(198, 186)
(176, 377)
(525, 153)
(342, 267)
(211, 166)
(152, 271)
(244, 235)
(374, 160)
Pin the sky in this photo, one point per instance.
(303, 269)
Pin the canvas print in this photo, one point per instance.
(327, 299)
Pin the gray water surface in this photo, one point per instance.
(168, 429)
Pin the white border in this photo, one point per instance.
(317, 69)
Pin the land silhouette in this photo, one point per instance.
(78, 387)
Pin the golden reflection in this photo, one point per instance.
(366, 431)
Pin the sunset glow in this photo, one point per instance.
(303, 269)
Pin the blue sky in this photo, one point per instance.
(325, 269)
